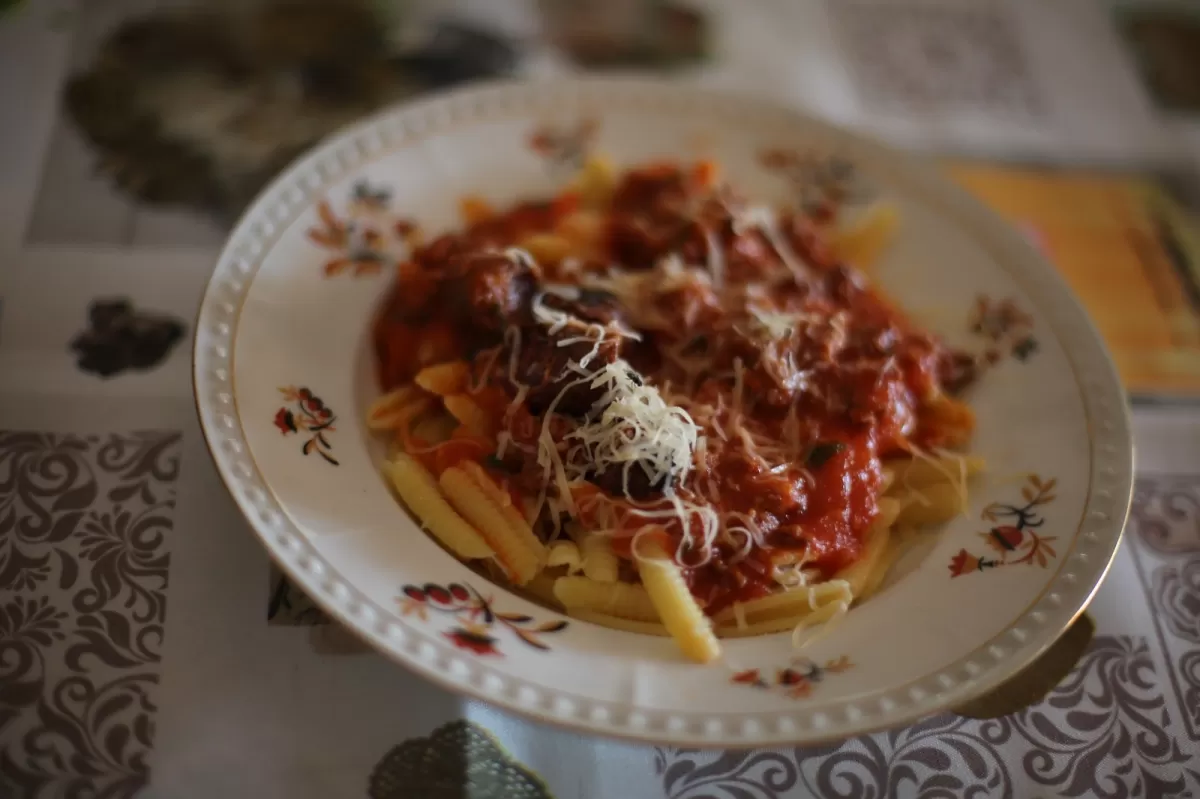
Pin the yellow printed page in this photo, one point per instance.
(1126, 248)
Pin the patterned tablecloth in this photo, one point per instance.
(146, 646)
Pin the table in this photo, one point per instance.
(146, 648)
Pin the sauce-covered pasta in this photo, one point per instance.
(692, 391)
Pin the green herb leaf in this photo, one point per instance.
(821, 453)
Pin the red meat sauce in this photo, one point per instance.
(865, 378)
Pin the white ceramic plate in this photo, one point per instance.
(957, 616)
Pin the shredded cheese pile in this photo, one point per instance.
(630, 426)
(637, 427)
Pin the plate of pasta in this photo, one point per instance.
(661, 413)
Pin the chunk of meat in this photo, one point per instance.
(650, 217)
(808, 242)
(656, 190)
(542, 365)
(636, 242)
(487, 291)
(614, 482)
(591, 305)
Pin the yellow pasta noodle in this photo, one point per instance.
(420, 492)
(794, 625)
(931, 504)
(444, 378)
(615, 599)
(788, 605)
(434, 428)
(596, 182)
(599, 562)
(514, 516)
(921, 471)
(883, 562)
(676, 606)
(864, 240)
(617, 623)
(396, 408)
(564, 553)
(858, 574)
(887, 478)
(468, 412)
(541, 588)
(504, 529)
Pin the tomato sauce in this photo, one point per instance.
(796, 416)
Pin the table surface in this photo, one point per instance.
(146, 648)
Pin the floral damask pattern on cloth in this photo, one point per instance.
(1165, 523)
(916, 55)
(84, 526)
(1101, 733)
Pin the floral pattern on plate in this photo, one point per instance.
(476, 617)
(1014, 538)
(306, 414)
(795, 681)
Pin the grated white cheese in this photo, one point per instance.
(775, 324)
(631, 426)
(521, 256)
(636, 426)
(716, 259)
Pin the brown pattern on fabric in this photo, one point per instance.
(917, 55)
(1166, 513)
(83, 575)
(1101, 733)
(287, 604)
(1165, 533)
(1176, 600)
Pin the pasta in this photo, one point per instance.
(667, 410)
(479, 500)
(417, 488)
(622, 600)
(599, 561)
(676, 606)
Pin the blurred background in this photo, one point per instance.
(1076, 119)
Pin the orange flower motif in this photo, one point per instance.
(473, 638)
(749, 677)
(801, 690)
(413, 607)
(332, 233)
(798, 684)
(358, 246)
(476, 617)
(838, 665)
(963, 563)
(796, 681)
